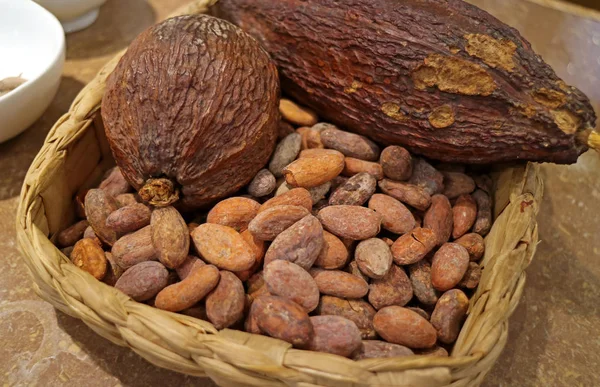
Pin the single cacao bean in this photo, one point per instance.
(397, 163)
(410, 194)
(449, 265)
(393, 289)
(464, 214)
(373, 257)
(439, 218)
(170, 236)
(301, 243)
(399, 325)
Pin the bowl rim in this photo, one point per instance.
(58, 34)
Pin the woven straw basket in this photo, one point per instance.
(75, 155)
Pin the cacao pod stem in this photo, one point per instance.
(159, 192)
(594, 141)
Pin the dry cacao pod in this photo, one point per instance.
(167, 139)
(477, 83)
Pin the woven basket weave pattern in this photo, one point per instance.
(75, 155)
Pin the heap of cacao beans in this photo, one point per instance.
(337, 246)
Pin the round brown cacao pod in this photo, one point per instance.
(191, 111)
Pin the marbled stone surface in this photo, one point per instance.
(554, 333)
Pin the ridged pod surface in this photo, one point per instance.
(191, 111)
(443, 78)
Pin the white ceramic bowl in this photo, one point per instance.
(32, 44)
(74, 15)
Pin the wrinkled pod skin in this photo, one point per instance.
(443, 78)
(191, 111)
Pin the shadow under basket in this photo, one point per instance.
(76, 154)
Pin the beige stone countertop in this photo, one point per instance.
(554, 335)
